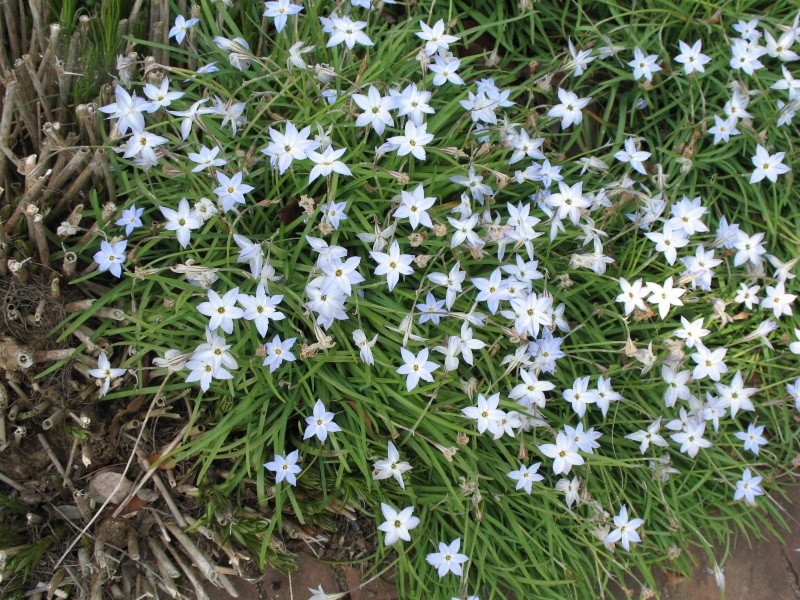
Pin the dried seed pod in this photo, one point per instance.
(54, 419)
(19, 433)
(55, 287)
(69, 265)
(19, 269)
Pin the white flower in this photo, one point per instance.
(365, 346)
(159, 95)
(182, 25)
(579, 395)
(789, 82)
(204, 369)
(569, 200)
(392, 264)
(296, 52)
(691, 57)
(748, 488)
(753, 438)
(320, 423)
(280, 11)
(452, 280)
(580, 60)
(231, 190)
(691, 332)
(794, 347)
(531, 312)
(526, 476)
(333, 213)
(348, 31)
(643, 66)
(633, 295)
(571, 490)
(668, 241)
(569, 110)
(397, 524)
(250, 252)
(412, 102)
(444, 70)
(327, 163)
(665, 296)
(285, 468)
(473, 183)
(525, 146)
(413, 140)
(231, 112)
(130, 218)
(709, 363)
(376, 110)
(221, 310)
(605, 394)
(464, 231)
(127, 110)
(481, 107)
(625, 529)
(238, 51)
(633, 156)
(261, 309)
(110, 257)
(448, 559)
(723, 129)
(207, 157)
(531, 391)
(414, 207)
(564, 451)
(650, 436)
(486, 414)
(735, 396)
(289, 146)
(745, 55)
(392, 466)
(142, 145)
(173, 361)
(416, 367)
(320, 594)
(691, 438)
(277, 352)
(105, 373)
(182, 221)
(778, 300)
(435, 37)
(767, 165)
(782, 47)
(748, 249)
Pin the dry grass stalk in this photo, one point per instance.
(201, 560)
(191, 575)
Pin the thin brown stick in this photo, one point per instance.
(27, 103)
(37, 86)
(6, 120)
(73, 190)
(11, 21)
(199, 590)
(37, 233)
(66, 174)
(54, 459)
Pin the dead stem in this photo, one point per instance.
(54, 459)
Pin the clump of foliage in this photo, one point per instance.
(528, 306)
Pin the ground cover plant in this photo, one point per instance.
(516, 287)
